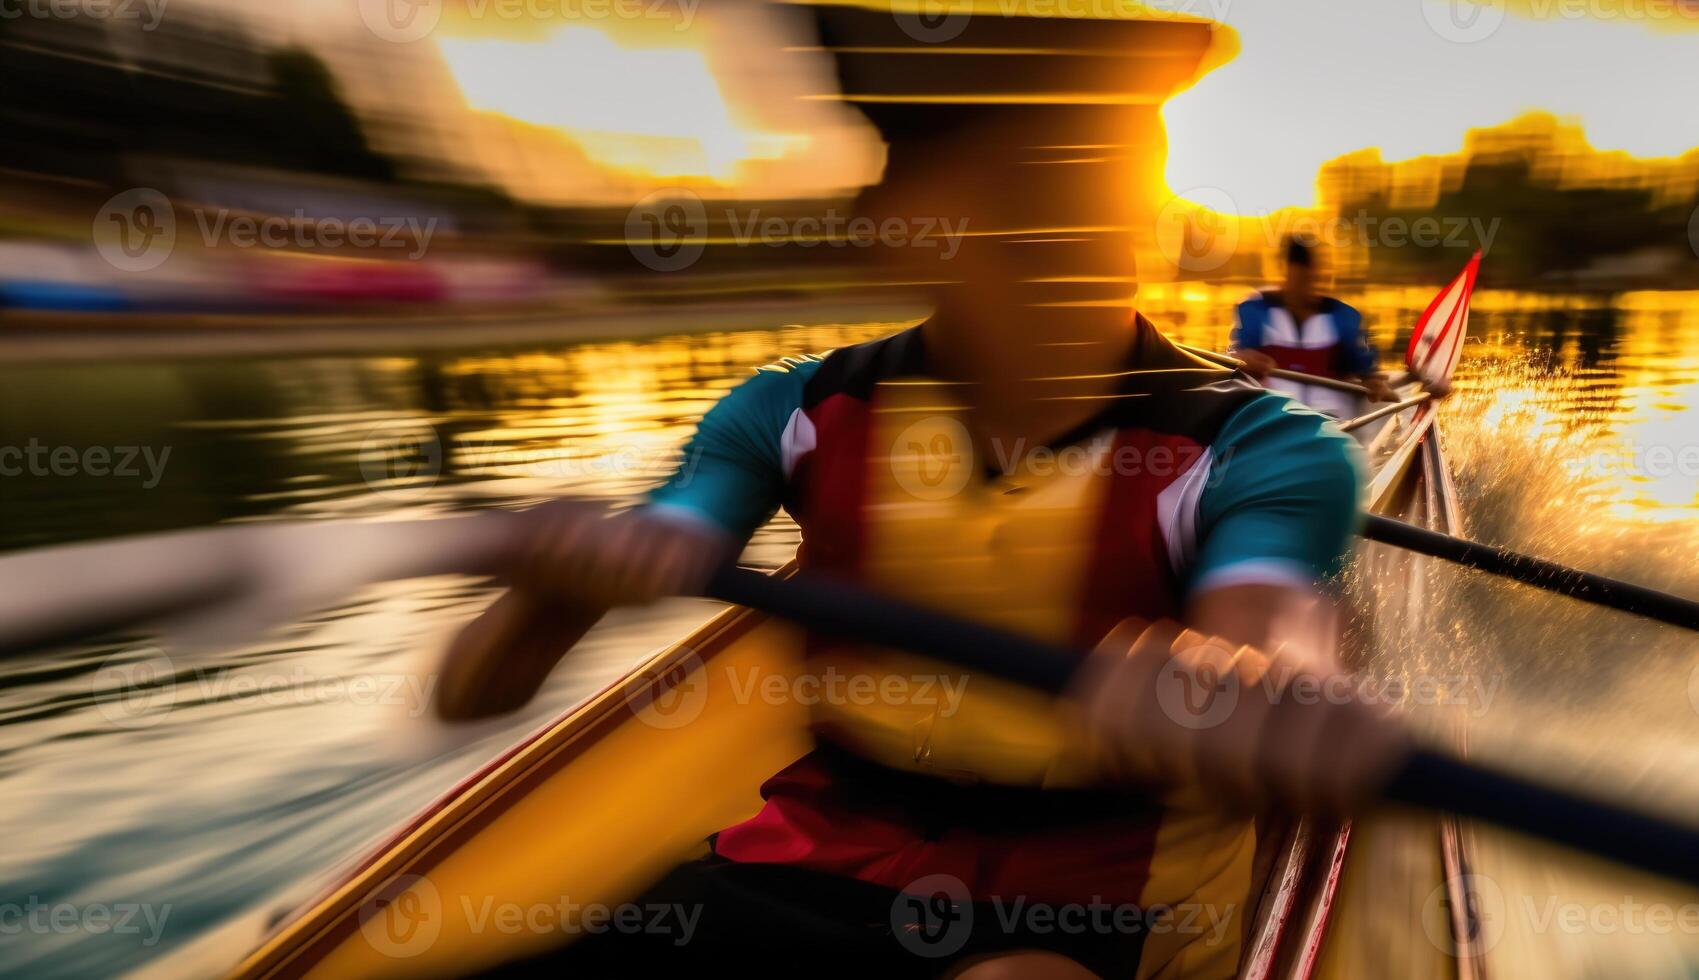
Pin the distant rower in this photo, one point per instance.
(1298, 329)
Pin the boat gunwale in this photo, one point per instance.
(475, 800)
(1301, 852)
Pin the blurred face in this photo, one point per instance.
(1042, 278)
(1300, 285)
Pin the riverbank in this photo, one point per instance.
(32, 337)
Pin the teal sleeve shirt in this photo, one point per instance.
(1282, 501)
(1279, 506)
(732, 474)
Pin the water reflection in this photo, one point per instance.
(258, 769)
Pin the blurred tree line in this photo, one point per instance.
(1539, 233)
(78, 95)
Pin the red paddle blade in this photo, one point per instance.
(1437, 341)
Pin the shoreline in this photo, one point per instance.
(47, 338)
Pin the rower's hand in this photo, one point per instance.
(1257, 364)
(1168, 706)
(568, 563)
(1379, 389)
(1439, 389)
(594, 556)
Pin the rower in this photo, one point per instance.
(1297, 329)
(1035, 455)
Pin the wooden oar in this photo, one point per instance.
(1426, 779)
(1227, 360)
(1380, 413)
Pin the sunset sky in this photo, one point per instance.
(1317, 79)
(692, 94)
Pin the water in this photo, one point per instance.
(259, 769)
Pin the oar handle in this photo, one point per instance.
(1427, 779)
(1538, 572)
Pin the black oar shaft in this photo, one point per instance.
(855, 613)
(1427, 780)
(1538, 572)
(1437, 782)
